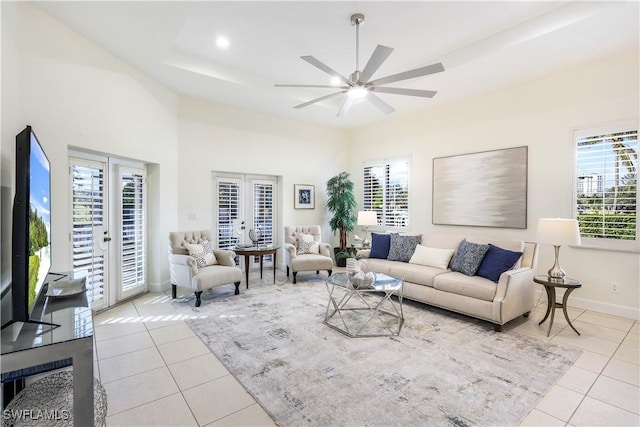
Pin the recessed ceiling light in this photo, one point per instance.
(222, 42)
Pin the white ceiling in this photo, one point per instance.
(482, 45)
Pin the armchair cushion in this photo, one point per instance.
(202, 253)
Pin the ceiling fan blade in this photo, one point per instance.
(403, 91)
(346, 106)
(377, 58)
(378, 102)
(418, 72)
(322, 66)
(327, 86)
(322, 98)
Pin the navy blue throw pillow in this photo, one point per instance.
(496, 261)
(380, 244)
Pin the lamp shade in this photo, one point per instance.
(558, 231)
(367, 218)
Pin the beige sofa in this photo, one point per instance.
(498, 303)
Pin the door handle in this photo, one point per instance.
(107, 239)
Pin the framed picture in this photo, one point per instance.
(487, 189)
(304, 196)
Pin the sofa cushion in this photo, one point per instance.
(496, 261)
(380, 245)
(402, 247)
(414, 273)
(432, 257)
(470, 286)
(202, 253)
(468, 257)
(307, 244)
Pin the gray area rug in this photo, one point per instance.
(443, 368)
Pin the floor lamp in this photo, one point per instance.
(557, 232)
(367, 218)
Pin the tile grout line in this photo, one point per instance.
(601, 373)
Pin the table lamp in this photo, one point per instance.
(367, 218)
(557, 232)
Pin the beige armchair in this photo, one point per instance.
(304, 250)
(194, 264)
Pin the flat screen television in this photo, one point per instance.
(31, 226)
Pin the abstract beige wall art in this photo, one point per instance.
(485, 189)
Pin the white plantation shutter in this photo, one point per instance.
(132, 184)
(88, 207)
(606, 185)
(386, 191)
(228, 197)
(263, 192)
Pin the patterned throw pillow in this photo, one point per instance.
(496, 261)
(402, 247)
(307, 244)
(202, 252)
(468, 257)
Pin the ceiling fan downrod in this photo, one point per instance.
(357, 19)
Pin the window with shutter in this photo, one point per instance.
(606, 196)
(386, 191)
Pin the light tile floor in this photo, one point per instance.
(157, 372)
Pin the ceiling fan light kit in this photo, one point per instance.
(359, 84)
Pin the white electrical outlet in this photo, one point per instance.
(615, 288)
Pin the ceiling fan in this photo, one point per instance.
(359, 84)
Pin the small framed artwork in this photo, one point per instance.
(304, 196)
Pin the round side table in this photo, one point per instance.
(550, 285)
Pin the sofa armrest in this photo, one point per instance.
(515, 294)
(225, 257)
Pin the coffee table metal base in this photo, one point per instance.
(354, 312)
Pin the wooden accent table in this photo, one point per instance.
(550, 285)
(260, 251)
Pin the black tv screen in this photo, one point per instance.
(31, 227)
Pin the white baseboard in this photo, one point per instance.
(597, 306)
(159, 287)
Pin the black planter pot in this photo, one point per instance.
(340, 262)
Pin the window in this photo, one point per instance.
(386, 191)
(605, 188)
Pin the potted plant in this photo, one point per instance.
(341, 202)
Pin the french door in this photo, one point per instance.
(244, 203)
(108, 228)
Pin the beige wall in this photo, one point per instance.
(540, 114)
(226, 139)
(77, 95)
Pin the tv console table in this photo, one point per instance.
(26, 345)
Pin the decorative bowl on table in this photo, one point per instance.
(361, 279)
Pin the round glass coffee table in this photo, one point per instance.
(550, 284)
(365, 311)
